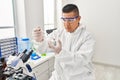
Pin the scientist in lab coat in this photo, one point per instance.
(73, 47)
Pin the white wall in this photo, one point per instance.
(20, 21)
(34, 15)
(29, 15)
(103, 20)
(58, 13)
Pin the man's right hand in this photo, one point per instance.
(38, 34)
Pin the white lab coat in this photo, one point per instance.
(74, 62)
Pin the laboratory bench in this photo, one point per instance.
(43, 67)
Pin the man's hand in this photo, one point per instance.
(38, 34)
(55, 45)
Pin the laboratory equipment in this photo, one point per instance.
(17, 69)
(24, 43)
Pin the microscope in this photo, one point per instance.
(17, 68)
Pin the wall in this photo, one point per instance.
(34, 15)
(20, 21)
(58, 13)
(102, 19)
(29, 14)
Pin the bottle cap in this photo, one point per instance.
(25, 39)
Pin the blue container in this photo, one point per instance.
(24, 43)
(34, 56)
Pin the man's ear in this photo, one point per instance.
(79, 18)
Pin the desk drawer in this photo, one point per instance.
(40, 68)
(43, 76)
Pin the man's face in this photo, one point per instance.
(71, 21)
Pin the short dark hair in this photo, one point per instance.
(70, 8)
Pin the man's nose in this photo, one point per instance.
(67, 24)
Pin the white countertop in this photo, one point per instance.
(34, 63)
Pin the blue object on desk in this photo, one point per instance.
(34, 56)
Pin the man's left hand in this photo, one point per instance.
(56, 46)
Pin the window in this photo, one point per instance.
(6, 19)
(49, 14)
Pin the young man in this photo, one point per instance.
(73, 48)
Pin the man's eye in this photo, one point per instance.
(64, 19)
